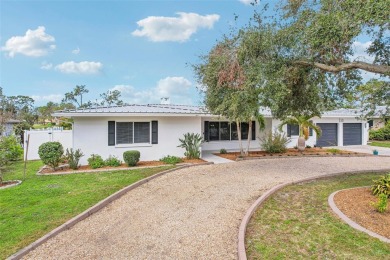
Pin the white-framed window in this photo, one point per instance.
(132, 133)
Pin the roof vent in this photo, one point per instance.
(165, 101)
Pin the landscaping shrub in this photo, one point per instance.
(10, 148)
(274, 142)
(112, 161)
(382, 186)
(381, 205)
(50, 153)
(170, 159)
(131, 157)
(381, 134)
(95, 161)
(73, 158)
(223, 151)
(191, 142)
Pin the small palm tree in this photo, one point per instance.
(304, 124)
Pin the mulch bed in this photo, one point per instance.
(357, 205)
(7, 183)
(290, 152)
(83, 168)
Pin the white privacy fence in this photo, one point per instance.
(37, 137)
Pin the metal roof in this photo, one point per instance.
(137, 109)
(168, 109)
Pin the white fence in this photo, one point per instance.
(38, 137)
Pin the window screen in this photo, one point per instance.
(141, 132)
(124, 132)
(292, 130)
(224, 131)
(214, 131)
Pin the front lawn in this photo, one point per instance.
(41, 203)
(297, 223)
(380, 143)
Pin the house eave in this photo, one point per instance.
(116, 114)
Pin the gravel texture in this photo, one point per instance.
(192, 213)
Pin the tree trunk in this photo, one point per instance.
(301, 144)
(239, 137)
(249, 138)
(380, 69)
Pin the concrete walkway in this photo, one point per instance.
(210, 157)
(383, 151)
(191, 213)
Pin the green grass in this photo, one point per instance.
(333, 150)
(296, 223)
(380, 143)
(41, 203)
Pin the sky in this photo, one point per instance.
(142, 48)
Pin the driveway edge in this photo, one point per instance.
(349, 221)
(249, 213)
(95, 208)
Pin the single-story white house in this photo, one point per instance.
(155, 129)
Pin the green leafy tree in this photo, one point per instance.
(230, 85)
(323, 33)
(76, 96)
(305, 49)
(373, 94)
(111, 98)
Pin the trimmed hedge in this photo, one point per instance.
(51, 153)
(131, 157)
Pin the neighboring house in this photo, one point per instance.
(379, 120)
(155, 130)
(9, 127)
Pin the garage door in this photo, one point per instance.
(352, 134)
(329, 135)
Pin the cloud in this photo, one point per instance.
(35, 43)
(175, 29)
(248, 2)
(46, 66)
(56, 98)
(76, 51)
(176, 88)
(84, 67)
(360, 54)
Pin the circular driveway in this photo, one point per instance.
(192, 213)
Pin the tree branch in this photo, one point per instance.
(381, 69)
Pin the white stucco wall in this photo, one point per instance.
(91, 136)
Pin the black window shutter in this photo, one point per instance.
(154, 132)
(288, 130)
(310, 131)
(206, 131)
(111, 133)
(253, 130)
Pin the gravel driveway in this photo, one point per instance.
(193, 213)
